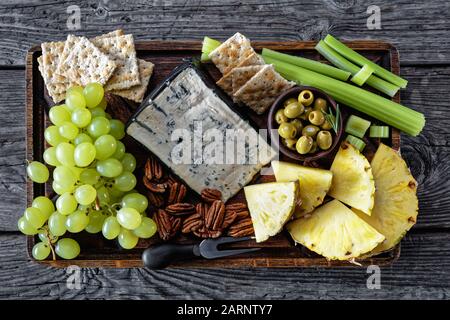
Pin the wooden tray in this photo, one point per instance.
(96, 251)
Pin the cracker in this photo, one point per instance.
(242, 75)
(121, 51)
(262, 89)
(136, 93)
(226, 82)
(55, 90)
(231, 53)
(86, 63)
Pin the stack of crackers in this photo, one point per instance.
(109, 59)
(246, 78)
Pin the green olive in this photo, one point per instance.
(290, 143)
(280, 117)
(304, 144)
(289, 101)
(316, 117)
(326, 125)
(287, 130)
(297, 124)
(306, 97)
(324, 140)
(310, 130)
(320, 104)
(304, 115)
(313, 148)
(293, 110)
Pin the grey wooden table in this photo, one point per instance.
(420, 31)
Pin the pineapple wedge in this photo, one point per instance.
(314, 183)
(335, 232)
(396, 205)
(271, 205)
(352, 179)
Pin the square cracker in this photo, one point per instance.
(86, 63)
(136, 93)
(262, 89)
(52, 88)
(226, 82)
(121, 51)
(240, 76)
(231, 53)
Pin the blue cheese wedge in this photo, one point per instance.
(190, 128)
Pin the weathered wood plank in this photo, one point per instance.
(420, 30)
(410, 277)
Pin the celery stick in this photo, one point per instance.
(356, 142)
(379, 132)
(342, 63)
(394, 114)
(360, 60)
(307, 64)
(362, 75)
(357, 126)
(208, 45)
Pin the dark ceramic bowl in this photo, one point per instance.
(273, 125)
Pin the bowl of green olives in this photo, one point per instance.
(299, 125)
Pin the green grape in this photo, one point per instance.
(109, 168)
(103, 195)
(84, 154)
(68, 130)
(75, 89)
(74, 100)
(103, 104)
(96, 219)
(52, 136)
(41, 251)
(38, 172)
(98, 112)
(147, 228)
(129, 218)
(44, 238)
(50, 157)
(115, 194)
(120, 150)
(64, 154)
(44, 204)
(25, 227)
(35, 217)
(117, 129)
(89, 176)
(64, 176)
(126, 181)
(60, 190)
(82, 137)
(66, 203)
(127, 239)
(85, 194)
(98, 127)
(58, 115)
(81, 117)
(77, 221)
(93, 93)
(67, 248)
(105, 146)
(136, 201)
(57, 224)
(128, 162)
(76, 172)
(111, 228)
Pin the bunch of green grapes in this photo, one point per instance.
(93, 177)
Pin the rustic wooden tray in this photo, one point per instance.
(96, 251)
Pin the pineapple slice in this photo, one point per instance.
(396, 205)
(335, 232)
(270, 206)
(314, 183)
(352, 179)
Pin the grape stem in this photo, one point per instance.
(47, 235)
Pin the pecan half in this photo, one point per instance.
(192, 223)
(230, 217)
(210, 195)
(154, 186)
(177, 193)
(155, 199)
(180, 209)
(153, 169)
(215, 216)
(203, 232)
(240, 209)
(241, 228)
(202, 209)
(168, 226)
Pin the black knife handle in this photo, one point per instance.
(161, 256)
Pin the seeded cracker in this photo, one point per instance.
(121, 50)
(136, 93)
(86, 63)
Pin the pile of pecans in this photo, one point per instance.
(210, 218)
